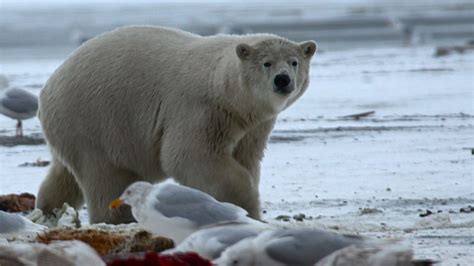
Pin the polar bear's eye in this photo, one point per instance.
(267, 64)
(294, 63)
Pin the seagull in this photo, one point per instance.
(374, 255)
(210, 242)
(305, 246)
(20, 105)
(4, 83)
(58, 253)
(13, 223)
(176, 211)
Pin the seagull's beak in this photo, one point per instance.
(116, 203)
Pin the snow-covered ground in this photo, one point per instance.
(372, 176)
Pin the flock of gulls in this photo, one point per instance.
(218, 231)
(222, 232)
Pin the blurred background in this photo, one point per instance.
(335, 24)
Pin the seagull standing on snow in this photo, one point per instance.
(307, 247)
(13, 223)
(20, 105)
(176, 211)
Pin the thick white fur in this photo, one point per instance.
(144, 103)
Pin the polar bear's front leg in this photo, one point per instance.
(223, 178)
(249, 151)
(235, 184)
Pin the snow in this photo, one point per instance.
(413, 154)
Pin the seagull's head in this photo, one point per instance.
(242, 253)
(134, 195)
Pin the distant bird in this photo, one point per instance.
(58, 253)
(175, 211)
(13, 223)
(4, 82)
(210, 242)
(306, 247)
(20, 105)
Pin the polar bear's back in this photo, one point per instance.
(111, 97)
(107, 94)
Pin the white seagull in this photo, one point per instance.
(374, 255)
(13, 223)
(307, 247)
(20, 105)
(210, 242)
(175, 211)
(58, 253)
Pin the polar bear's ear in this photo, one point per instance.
(244, 51)
(309, 48)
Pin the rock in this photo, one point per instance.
(467, 209)
(359, 115)
(38, 163)
(23, 202)
(427, 213)
(363, 211)
(447, 50)
(284, 218)
(299, 217)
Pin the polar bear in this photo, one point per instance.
(146, 103)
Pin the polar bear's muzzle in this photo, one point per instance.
(283, 84)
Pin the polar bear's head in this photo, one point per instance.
(275, 70)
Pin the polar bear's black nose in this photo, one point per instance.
(282, 80)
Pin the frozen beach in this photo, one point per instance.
(372, 176)
(405, 170)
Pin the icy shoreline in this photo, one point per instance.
(372, 176)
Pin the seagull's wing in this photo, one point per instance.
(227, 236)
(212, 241)
(57, 253)
(20, 101)
(10, 222)
(306, 246)
(381, 254)
(174, 200)
(13, 222)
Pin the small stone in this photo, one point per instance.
(284, 218)
(467, 209)
(427, 213)
(299, 217)
(364, 211)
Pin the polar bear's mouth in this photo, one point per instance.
(284, 91)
